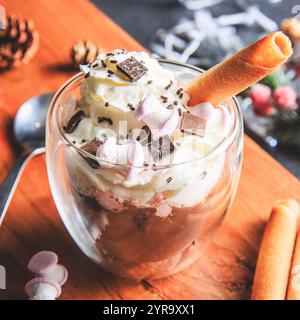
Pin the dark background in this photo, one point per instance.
(141, 18)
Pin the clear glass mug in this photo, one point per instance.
(129, 239)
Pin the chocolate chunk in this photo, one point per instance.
(104, 119)
(74, 121)
(192, 124)
(158, 148)
(92, 146)
(132, 69)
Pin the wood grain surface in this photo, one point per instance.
(32, 223)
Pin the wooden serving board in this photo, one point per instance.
(32, 223)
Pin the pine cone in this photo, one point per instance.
(18, 42)
(84, 52)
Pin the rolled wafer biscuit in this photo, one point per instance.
(276, 251)
(241, 70)
(293, 292)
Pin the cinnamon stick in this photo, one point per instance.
(274, 259)
(293, 292)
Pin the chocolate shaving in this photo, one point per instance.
(74, 121)
(104, 119)
(92, 146)
(132, 69)
(193, 124)
(161, 147)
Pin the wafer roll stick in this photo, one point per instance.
(294, 281)
(241, 70)
(276, 251)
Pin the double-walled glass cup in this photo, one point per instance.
(127, 237)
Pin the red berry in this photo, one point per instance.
(260, 94)
(264, 111)
(285, 97)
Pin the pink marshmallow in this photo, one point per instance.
(149, 105)
(107, 151)
(135, 158)
(43, 287)
(169, 126)
(45, 265)
(42, 261)
(216, 117)
(203, 110)
(160, 120)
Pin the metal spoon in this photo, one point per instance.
(29, 129)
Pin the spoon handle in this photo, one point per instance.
(10, 183)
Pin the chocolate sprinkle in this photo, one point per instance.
(132, 69)
(103, 64)
(169, 179)
(103, 119)
(92, 146)
(150, 81)
(87, 75)
(181, 95)
(113, 61)
(106, 104)
(169, 85)
(131, 107)
(74, 121)
(179, 112)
